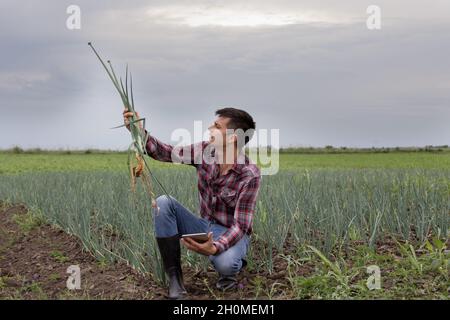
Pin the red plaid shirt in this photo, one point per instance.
(228, 199)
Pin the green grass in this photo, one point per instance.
(28, 221)
(399, 277)
(20, 163)
(393, 160)
(58, 256)
(54, 277)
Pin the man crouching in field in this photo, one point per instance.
(228, 187)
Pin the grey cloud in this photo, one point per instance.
(320, 84)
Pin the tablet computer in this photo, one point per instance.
(199, 237)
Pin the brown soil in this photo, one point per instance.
(33, 265)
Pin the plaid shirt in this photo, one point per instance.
(228, 199)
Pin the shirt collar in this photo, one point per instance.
(240, 163)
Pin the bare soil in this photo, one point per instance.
(33, 265)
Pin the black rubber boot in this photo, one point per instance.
(171, 257)
(226, 282)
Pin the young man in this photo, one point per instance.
(228, 187)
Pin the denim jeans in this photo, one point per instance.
(171, 218)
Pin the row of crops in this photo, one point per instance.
(320, 207)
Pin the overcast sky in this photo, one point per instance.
(311, 69)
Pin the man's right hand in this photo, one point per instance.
(127, 114)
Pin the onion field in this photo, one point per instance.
(304, 213)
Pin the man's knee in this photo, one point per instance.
(164, 216)
(226, 264)
(163, 204)
(163, 200)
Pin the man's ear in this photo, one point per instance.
(232, 138)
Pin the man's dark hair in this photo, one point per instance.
(239, 119)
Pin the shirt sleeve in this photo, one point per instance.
(189, 154)
(243, 216)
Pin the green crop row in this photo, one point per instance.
(324, 208)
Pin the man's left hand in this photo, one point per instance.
(206, 248)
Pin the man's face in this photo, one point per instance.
(217, 131)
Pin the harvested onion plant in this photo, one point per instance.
(138, 166)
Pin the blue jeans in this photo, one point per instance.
(171, 218)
